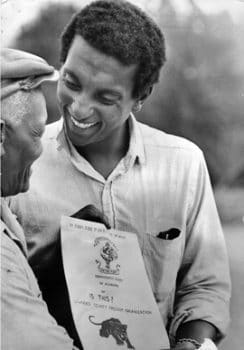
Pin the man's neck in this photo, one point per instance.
(105, 155)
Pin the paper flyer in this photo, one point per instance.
(111, 299)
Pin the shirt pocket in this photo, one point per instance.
(162, 260)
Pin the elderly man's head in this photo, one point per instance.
(23, 122)
(23, 112)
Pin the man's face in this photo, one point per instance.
(95, 96)
(22, 146)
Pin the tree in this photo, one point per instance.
(197, 84)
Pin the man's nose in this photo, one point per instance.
(82, 107)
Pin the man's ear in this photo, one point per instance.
(139, 102)
(2, 137)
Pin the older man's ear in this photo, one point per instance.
(2, 137)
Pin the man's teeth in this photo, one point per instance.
(82, 125)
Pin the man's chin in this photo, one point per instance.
(14, 192)
(25, 184)
(25, 187)
(22, 188)
(12, 186)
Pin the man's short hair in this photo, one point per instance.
(121, 30)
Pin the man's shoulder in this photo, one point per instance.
(159, 140)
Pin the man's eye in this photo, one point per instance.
(38, 133)
(70, 84)
(107, 101)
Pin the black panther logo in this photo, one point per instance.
(114, 327)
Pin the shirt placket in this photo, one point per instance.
(107, 203)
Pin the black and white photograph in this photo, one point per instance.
(122, 174)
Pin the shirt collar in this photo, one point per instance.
(136, 147)
(11, 226)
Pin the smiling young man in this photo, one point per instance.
(95, 95)
(144, 180)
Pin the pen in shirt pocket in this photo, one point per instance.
(169, 234)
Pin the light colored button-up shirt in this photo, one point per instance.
(25, 321)
(161, 183)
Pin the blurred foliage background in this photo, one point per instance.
(200, 94)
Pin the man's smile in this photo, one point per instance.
(82, 125)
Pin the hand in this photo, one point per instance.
(91, 213)
(20, 64)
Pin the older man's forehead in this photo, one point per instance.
(37, 107)
(25, 106)
(14, 107)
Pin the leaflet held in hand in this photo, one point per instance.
(111, 299)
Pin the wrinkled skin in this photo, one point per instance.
(22, 146)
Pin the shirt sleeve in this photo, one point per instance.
(203, 282)
(26, 323)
